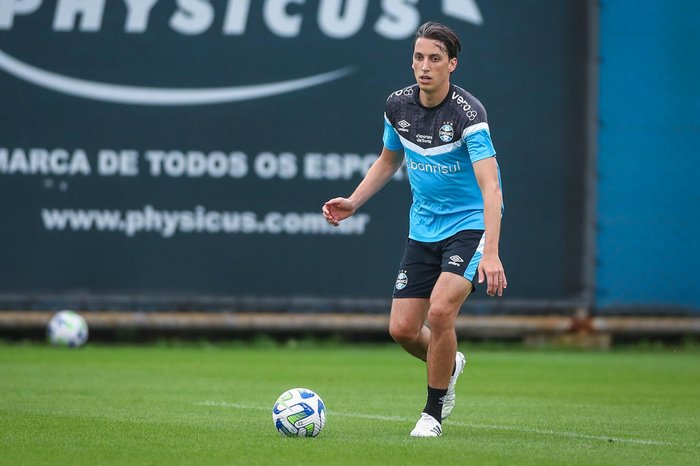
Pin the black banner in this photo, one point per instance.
(177, 153)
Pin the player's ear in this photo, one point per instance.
(453, 64)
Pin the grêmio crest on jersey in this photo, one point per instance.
(429, 127)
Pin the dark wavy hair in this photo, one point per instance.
(442, 33)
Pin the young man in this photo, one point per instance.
(455, 218)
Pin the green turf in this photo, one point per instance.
(212, 405)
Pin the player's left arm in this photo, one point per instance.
(490, 267)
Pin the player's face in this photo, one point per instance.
(431, 65)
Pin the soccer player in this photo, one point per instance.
(442, 133)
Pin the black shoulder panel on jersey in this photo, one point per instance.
(398, 99)
(470, 106)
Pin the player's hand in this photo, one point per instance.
(491, 270)
(338, 209)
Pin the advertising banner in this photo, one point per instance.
(176, 153)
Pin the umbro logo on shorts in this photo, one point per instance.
(456, 260)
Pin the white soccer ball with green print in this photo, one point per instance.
(299, 412)
(67, 328)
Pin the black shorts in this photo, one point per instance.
(423, 263)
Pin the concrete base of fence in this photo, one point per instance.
(531, 328)
(583, 340)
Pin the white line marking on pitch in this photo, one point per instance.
(224, 404)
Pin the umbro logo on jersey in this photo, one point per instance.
(456, 260)
(403, 125)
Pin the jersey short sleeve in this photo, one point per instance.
(477, 136)
(478, 141)
(391, 138)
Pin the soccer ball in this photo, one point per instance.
(299, 412)
(67, 328)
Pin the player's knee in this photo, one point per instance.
(402, 333)
(441, 317)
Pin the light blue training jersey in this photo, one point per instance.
(440, 145)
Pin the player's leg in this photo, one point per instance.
(406, 325)
(461, 254)
(420, 268)
(448, 296)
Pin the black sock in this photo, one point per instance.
(434, 403)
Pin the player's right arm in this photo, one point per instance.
(380, 172)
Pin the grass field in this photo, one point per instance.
(203, 404)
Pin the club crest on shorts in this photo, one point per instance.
(401, 280)
(447, 132)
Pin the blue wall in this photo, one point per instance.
(649, 156)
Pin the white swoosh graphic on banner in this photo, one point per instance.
(157, 95)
